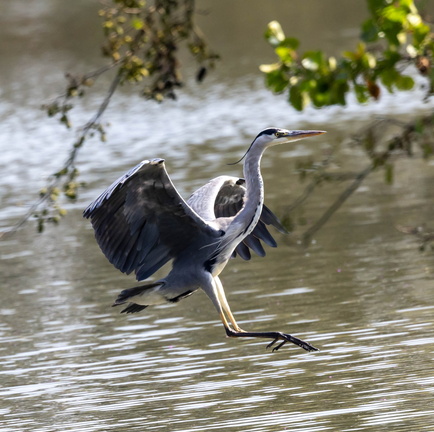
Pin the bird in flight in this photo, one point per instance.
(141, 222)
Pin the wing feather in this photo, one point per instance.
(243, 251)
(141, 221)
(261, 232)
(269, 218)
(223, 197)
(253, 243)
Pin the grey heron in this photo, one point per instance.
(141, 222)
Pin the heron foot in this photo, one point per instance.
(276, 336)
(288, 338)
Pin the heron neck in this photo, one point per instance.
(255, 187)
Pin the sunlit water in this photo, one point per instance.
(362, 292)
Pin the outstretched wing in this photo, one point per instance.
(141, 221)
(224, 197)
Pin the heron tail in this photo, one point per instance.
(128, 295)
(133, 308)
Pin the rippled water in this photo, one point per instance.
(70, 362)
(362, 292)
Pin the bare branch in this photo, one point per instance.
(308, 234)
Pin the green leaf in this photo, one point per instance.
(339, 92)
(369, 31)
(361, 93)
(388, 78)
(420, 35)
(276, 80)
(286, 55)
(368, 61)
(390, 58)
(404, 82)
(395, 13)
(296, 98)
(290, 42)
(320, 99)
(350, 55)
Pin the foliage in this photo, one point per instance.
(145, 40)
(395, 41)
(142, 43)
(393, 38)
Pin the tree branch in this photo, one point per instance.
(55, 178)
(308, 234)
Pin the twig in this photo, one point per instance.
(55, 179)
(308, 234)
(308, 190)
(94, 121)
(319, 177)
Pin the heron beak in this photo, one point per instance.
(300, 134)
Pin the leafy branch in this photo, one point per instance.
(142, 41)
(395, 37)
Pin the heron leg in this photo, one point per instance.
(214, 288)
(225, 305)
(236, 331)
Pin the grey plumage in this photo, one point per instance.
(141, 222)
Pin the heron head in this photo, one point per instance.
(274, 136)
